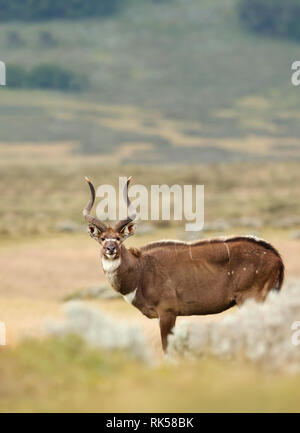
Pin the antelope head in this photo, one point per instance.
(110, 238)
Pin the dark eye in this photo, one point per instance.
(102, 239)
(118, 238)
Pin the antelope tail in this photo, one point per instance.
(280, 278)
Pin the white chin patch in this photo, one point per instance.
(110, 256)
(110, 264)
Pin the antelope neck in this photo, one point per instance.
(122, 272)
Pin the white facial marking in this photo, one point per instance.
(130, 296)
(111, 240)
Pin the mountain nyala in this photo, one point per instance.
(168, 278)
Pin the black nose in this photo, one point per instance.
(111, 249)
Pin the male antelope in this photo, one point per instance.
(166, 279)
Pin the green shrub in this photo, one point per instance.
(48, 9)
(47, 76)
(50, 76)
(274, 17)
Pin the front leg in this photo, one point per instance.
(167, 321)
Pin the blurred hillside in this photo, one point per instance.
(171, 81)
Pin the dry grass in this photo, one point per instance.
(24, 317)
(49, 269)
(24, 152)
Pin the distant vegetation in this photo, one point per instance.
(274, 17)
(37, 10)
(45, 76)
(27, 10)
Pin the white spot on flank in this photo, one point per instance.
(244, 269)
(130, 296)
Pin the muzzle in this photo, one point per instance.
(110, 251)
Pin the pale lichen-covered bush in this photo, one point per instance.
(100, 330)
(257, 332)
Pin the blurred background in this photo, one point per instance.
(168, 91)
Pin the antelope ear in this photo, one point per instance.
(128, 230)
(93, 231)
